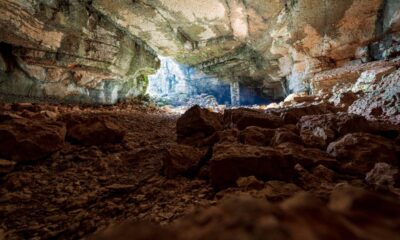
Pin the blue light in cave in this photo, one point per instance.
(180, 85)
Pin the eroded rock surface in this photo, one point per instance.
(103, 51)
(22, 140)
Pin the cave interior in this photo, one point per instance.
(200, 119)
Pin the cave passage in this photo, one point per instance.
(181, 85)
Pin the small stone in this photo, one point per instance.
(283, 135)
(256, 136)
(121, 187)
(6, 166)
(249, 183)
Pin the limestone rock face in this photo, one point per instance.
(69, 51)
(382, 101)
(24, 141)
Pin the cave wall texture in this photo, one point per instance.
(101, 50)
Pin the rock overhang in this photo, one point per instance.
(275, 44)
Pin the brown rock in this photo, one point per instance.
(300, 217)
(228, 136)
(374, 207)
(293, 115)
(385, 129)
(6, 166)
(22, 140)
(137, 231)
(25, 106)
(351, 215)
(94, 131)
(6, 116)
(382, 175)
(249, 183)
(256, 136)
(307, 157)
(358, 152)
(320, 130)
(232, 116)
(277, 190)
(231, 161)
(283, 135)
(319, 181)
(262, 120)
(198, 123)
(181, 160)
(223, 136)
(318, 137)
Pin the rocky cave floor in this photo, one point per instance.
(306, 171)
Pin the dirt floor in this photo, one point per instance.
(80, 189)
(79, 170)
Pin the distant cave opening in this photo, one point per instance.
(177, 84)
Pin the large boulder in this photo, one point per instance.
(231, 161)
(22, 140)
(181, 160)
(94, 131)
(358, 152)
(197, 123)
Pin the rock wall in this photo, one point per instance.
(68, 51)
(278, 46)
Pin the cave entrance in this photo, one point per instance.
(177, 85)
